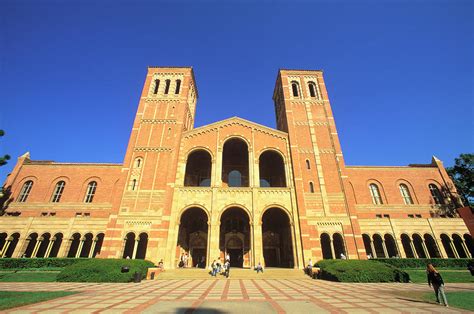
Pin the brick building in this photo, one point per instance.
(277, 196)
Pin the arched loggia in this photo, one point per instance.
(192, 237)
(431, 246)
(234, 237)
(277, 243)
(272, 170)
(447, 244)
(407, 246)
(326, 246)
(198, 169)
(235, 163)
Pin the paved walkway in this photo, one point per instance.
(232, 296)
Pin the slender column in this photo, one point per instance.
(453, 248)
(464, 247)
(372, 247)
(91, 251)
(331, 244)
(214, 242)
(5, 248)
(135, 248)
(21, 247)
(425, 249)
(79, 249)
(208, 246)
(258, 245)
(384, 246)
(37, 245)
(293, 245)
(48, 249)
(415, 254)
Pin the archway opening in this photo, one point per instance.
(198, 169)
(391, 245)
(418, 244)
(272, 170)
(406, 242)
(32, 239)
(339, 247)
(431, 246)
(447, 246)
(86, 245)
(469, 243)
(3, 241)
(326, 246)
(367, 246)
(98, 245)
(142, 245)
(378, 245)
(192, 237)
(234, 239)
(235, 163)
(73, 248)
(277, 243)
(43, 247)
(129, 245)
(13, 239)
(58, 239)
(458, 244)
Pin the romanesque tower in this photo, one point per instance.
(303, 110)
(166, 110)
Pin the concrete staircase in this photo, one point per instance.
(235, 273)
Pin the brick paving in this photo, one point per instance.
(226, 296)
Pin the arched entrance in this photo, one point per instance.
(129, 245)
(367, 245)
(235, 163)
(339, 247)
(277, 243)
(234, 237)
(192, 237)
(326, 246)
(378, 245)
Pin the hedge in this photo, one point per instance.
(460, 263)
(19, 263)
(103, 270)
(360, 271)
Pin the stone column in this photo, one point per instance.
(258, 243)
(372, 247)
(21, 247)
(384, 246)
(64, 248)
(214, 235)
(412, 246)
(48, 249)
(293, 245)
(91, 251)
(425, 249)
(331, 244)
(453, 248)
(79, 249)
(5, 248)
(464, 247)
(135, 248)
(37, 245)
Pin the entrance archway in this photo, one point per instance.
(378, 245)
(192, 237)
(368, 248)
(326, 246)
(277, 243)
(235, 225)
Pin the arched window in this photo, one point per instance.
(133, 184)
(138, 162)
(436, 194)
(167, 86)
(405, 194)
(375, 193)
(178, 86)
(308, 166)
(25, 191)
(58, 191)
(91, 187)
(312, 90)
(157, 85)
(311, 187)
(295, 89)
(272, 170)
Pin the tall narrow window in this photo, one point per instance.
(375, 193)
(312, 89)
(167, 86)
(25, 191)
(405, 194)
(295, 89)
(157, 85)
(178, 86)
(311, 187)
(133, 184)
(58, 191)
(91, 187)
(308, 166)
(436, 194)
(138, 162)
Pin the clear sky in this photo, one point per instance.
(399, 73)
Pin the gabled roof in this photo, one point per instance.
(237, 120)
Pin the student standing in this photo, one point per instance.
(435, 280)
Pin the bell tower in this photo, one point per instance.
(166, 110)
(303, 110)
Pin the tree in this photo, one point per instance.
(462, 174)
(3, 160)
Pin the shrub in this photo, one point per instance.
(103, 270)
(460, 263)
(360, 271)
(23, 263)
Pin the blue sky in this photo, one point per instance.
(399, 73)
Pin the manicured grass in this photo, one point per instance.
(460, 299)
(449, 276)
(10, 299)
(29, 276)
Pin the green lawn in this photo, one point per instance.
(28, 276)
(460, 299)
(449, 276)
(9, 299)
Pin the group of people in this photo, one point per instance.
(217, 267)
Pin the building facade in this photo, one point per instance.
(276, 196)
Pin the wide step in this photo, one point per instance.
(235, 273)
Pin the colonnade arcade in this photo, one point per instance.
(236, 239)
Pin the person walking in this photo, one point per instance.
(259, 268)
(227, 269)
(214, 268)
(435, 280)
